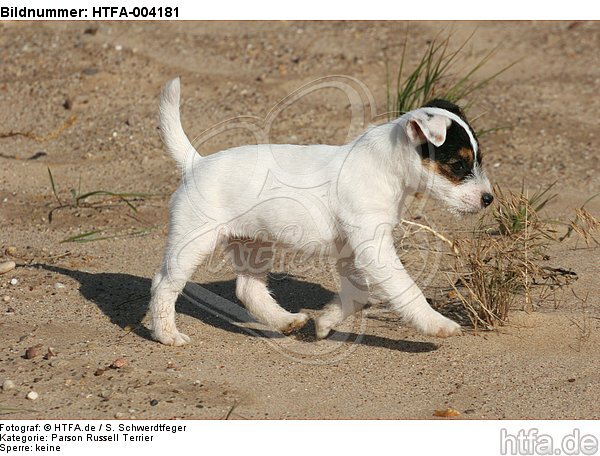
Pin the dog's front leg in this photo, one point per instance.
(376, 257)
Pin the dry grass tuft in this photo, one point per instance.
(585, 225)
(503, 263)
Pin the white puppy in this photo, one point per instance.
(341, 200)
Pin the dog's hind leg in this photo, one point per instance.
(252, 290)
(252, 260)
(352, 298)
(182, 256)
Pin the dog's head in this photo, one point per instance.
(450, 159)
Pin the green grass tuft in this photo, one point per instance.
(433, 78)
(515, 212)
(93, 199)
(92, 236)
(96, 199)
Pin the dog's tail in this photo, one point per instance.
(175, 139)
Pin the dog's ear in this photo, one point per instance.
(423, 126)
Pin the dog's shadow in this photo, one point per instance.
(124, 299)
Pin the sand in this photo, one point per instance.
(87, 300)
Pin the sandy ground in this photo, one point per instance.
(86, 300)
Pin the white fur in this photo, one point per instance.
(345, 200)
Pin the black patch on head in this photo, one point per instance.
(455, 109)
(447, 105)
(455, 158)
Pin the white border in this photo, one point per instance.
(345, 438)
(447, 10)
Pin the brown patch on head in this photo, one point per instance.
(442, 169)
(456, 168)
(467, 154)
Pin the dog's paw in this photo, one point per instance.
(174, 337)
(439, 326)
(448, 329)
(294, 323)
(323, 325)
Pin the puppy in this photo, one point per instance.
(342, 201)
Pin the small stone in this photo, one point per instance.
(8, 385)
(571, 380)
(68, 104)
(99, 372)
(32, 395)
(118, 47)
(11, 251)
(106, 394)
(90, 71)
(7, 266)
(153, 402)
(120, 416)
(59, 286)
(50, 354)
(14, 282)
(447, 413)
(6, 298)
(57, 363)
(118, 363)
(171, 367)
(91, 30)
(34, 351)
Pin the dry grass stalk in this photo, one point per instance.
(440, 236)
(585, 225)
(583, 325)
(48, 137)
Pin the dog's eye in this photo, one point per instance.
(459, 167)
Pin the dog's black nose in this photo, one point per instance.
(487, 199)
